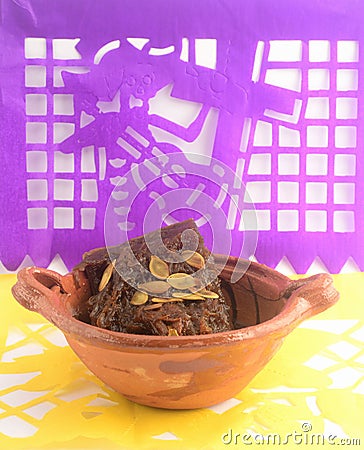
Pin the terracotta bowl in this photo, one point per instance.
(182, 372)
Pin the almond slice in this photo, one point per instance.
(187, 296)
(106, 275)
(154, 287)
(158, 268)
(194, 259)
(208, 294)
(139, 298)
(181, 280)
(166, 300)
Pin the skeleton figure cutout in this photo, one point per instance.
(135, 114)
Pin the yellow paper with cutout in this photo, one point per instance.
(312, 388)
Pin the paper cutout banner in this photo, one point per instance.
(271, 90)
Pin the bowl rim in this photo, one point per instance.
(308, 297)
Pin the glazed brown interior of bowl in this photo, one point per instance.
(259, 295)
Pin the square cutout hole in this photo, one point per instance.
(347, 80)
(318, 79)
(345, 165)
(37, 190)
(88, 218)
(35, 76)
(37, 218)
(316, 193)
(36, 104)
(344, 221)
(258, 219)
(63, 189)
(316, 164)
(288, 137)
(36, 133)
(260, 163)
(287, 220)
(63, 218)
(285, 78)
(346, 108)
(318, 51)
(285, 50)
(263, 134)
(63, 104)
(316, 220)
(35, 48)
(257, 192)
(317, 136)
(88, 159)
(36, 161)
(64, 162)
(317, 108)
(348, 51)
(344, 193)
(288, 164)
(89, 191)
(345, 137)
(288, 192)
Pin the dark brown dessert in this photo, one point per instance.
(169, 285)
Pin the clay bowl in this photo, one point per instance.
(182, 372)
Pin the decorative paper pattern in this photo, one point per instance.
(49, 400)
(89, 93)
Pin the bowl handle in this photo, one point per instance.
(318, 291)
(306, 298)
(35, 286)
(43, 290)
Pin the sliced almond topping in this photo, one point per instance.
(151, 307)
(208, 294)
(106, 275)
(166, 300)
(158, 268)
(186, 254)
(187, 296)
(172, 332)
(178, 275)
(154, 287)
(181, 280)
(197, 287)
(179, 294)
(139, 298)
(194, 259)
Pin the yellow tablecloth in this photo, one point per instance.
(312, 390)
